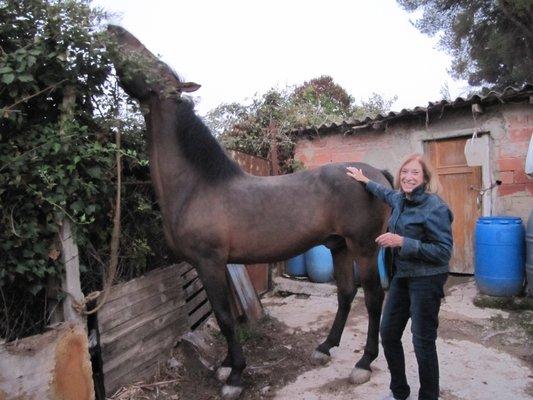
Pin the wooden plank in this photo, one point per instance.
(124, 350)
(138, 293)
(193, 288)
(195, 301)
(246, 295)
(141, 326)
(143, 351)
(259, 276)
(143, 369)
(199, 313)
(51, 366)
(150, 306)
(120, 378)
(188, 277)
(126, 288)
(184, 267)
(108, 335)
(252, 164)
(160, 289)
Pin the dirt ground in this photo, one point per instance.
(484, 353)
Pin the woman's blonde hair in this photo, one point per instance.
(430, 178)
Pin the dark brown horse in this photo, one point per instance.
(214, 213)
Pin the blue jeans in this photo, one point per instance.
(417, 298)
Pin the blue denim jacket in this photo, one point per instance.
(425, 222)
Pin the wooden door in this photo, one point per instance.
(461, 185)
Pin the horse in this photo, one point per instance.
(214, 213)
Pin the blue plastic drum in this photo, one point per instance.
(296, 266)
(319, 263)
(499, 256)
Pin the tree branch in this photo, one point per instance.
(24, 99)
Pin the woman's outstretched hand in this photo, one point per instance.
(390, 240)
(357, 174)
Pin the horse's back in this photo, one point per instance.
(357, 212)
(373, 173)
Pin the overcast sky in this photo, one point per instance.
(239, 48)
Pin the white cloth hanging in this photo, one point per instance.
(529, 157)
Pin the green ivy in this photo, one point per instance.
(54, 167)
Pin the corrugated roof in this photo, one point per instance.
(509, 94)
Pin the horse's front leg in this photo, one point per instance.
(213, 277)
(373, 300)
(346, 290)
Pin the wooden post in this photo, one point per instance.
(51, 366)
(70, 280)
(246, 296)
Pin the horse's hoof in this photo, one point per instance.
(223, 373)
(318, 358)
(359, 376)
(231, 392)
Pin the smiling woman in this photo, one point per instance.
(411, 176)
(414, 172)
(421, 238)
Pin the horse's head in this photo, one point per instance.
(141, 73)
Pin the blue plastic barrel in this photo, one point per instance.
(296, 266)
(499, 256)
(529, 255)
(319, 264)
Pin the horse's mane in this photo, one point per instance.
(201, 148)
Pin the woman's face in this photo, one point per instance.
(411, 176)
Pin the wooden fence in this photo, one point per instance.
(143, 320)
(258, 273)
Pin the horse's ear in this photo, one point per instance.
(189, 87)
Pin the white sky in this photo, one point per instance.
(239, 48)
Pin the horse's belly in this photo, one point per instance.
(271, 248)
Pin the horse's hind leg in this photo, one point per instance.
(346, 290)
(213, 276)
(373, 301)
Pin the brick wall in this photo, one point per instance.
(511, 154)
(340, 148)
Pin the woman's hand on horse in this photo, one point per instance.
(357, 174)
(390, 240)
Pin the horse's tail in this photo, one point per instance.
(388, 176)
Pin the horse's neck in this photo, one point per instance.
(172, 176)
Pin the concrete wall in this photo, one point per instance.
(507, 130)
